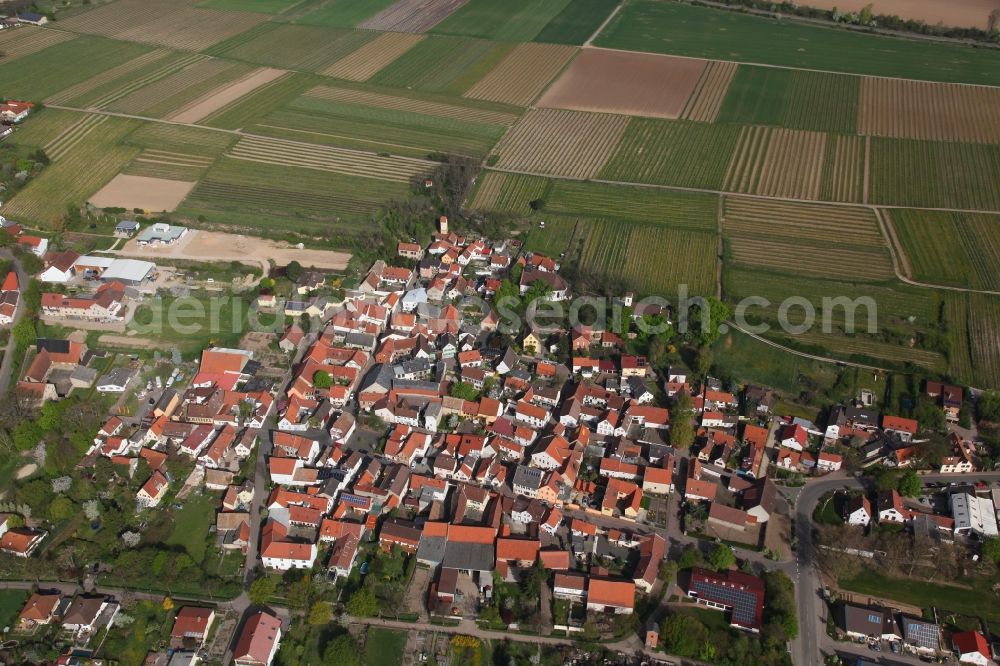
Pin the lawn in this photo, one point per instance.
(384, 646)
(191, 523)
(678, 28)
(975, 600)
(11, 602)
(826, 511)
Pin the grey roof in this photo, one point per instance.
(83, 375)
(415, 384)
(527, 477)
(116, 377)
(360, 340)
(469, 556)
(380, 376)
(431, 549)
(130, 270)
(125, 225)
(921, 633)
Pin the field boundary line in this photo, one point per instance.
(587, 44)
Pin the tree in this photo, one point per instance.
(363, 603)
(988, 407)
(867, 15)
(683, 635)
(262, 589)
(322, 380)
(294, 271)
(909, 484)
(721, 558)
(168, 603)
(681, 428)
(779, 603)
(60, 509)
(343, 651)
(320, 613)
(690, 557)
(464, 391)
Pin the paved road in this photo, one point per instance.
(7, 365)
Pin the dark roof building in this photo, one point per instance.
(734, 591)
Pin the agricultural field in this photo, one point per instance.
(266, 199)
(867, 347)
(45, 126)
(651, 259)
(710, 92)
(523, 74)
(260, 6)
(777, 162)
(396, 122)
(508, 192)
(973, 320)
(171, 93)
(218, 99)
(360, 65)
(636, 84)
(792, 99)
(933, 111)
(412, 15)
(299, 47)
(99, 85)
(805, 239)
(179, 139)
(168, 165)
(557, 236)
(336, 13)
(46, 72)
(441, 64)
(327, 158)
(577, 22)
(956, 315)
(906, 172)
(673, 152)
(85, 158)
(250, 108)
(26, 40)
(560, 143)
(677, 210)
(681, 29)
(959, 249)
(844, 169)
(163, 23)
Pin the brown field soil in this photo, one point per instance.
(957, 13)
(221, 97)
(561, 143)
(152, 194)
(934, 111)
(777, 162)
(198, 245)
(523, 74)
(412, 15)
(635, 84)
(163, 22)
(373, 56)
(410, 105)
(710, 91)
(18, 42)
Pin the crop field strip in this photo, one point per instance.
(839, 242)
(412, 15)
(673, 152)
(557, 236)
(168, 165)
(510, 20)
(72, 135)
(957, 249)
(45, 126)
(443, 64)
(710, 91)
(508, 192)
(523, 74)
(984, 322)
(327, 158)
(860, 345)
(219, 98)
(25, 40)
(191, 141)
(677, 28)
(82, 168)
(792, 99)
(678, 210)
(263, 198)
(934, 111)
(372, 56)
(560, 143)
(179, 88)
(175, 25)
(335, 13)
(251, 108)
(111, 76)
(122, 86)
(413, 105)
(956, 312)
(62, 65)
(637, 84)
(777, 163)
(651, 259)
(576, 22)
(844, 169)
(297, 47)
(400, 123)
(927, 174)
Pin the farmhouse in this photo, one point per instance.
(161, 234)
